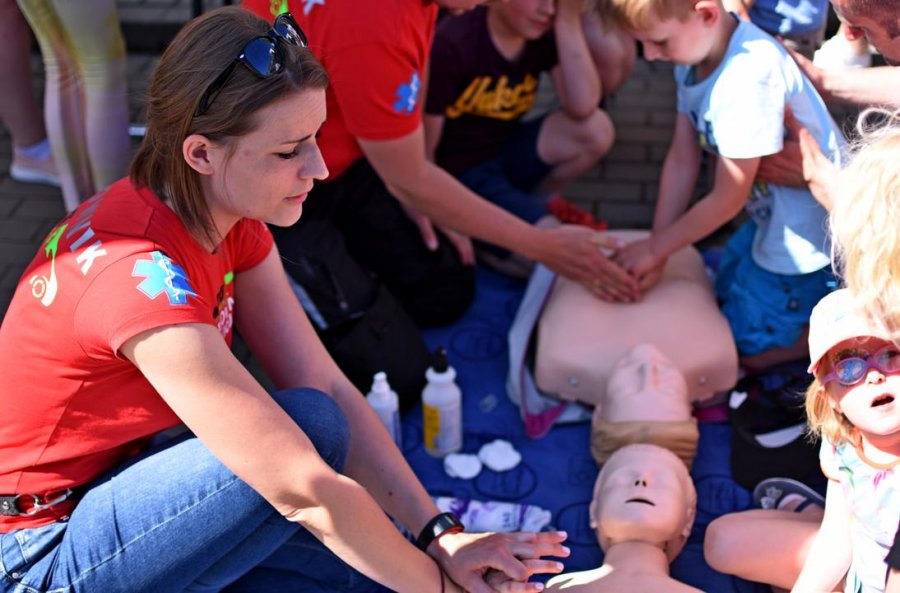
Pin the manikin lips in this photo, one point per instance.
(882, 400)
(641, 501)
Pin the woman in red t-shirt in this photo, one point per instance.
(121, 326)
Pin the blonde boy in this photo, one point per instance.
(735, 83)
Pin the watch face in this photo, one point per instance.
(436, 527)
(445, 521)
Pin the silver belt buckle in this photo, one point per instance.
(37, 506)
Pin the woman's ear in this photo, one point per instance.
(196, 150)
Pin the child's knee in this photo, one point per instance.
(720, 544)
(599, 133)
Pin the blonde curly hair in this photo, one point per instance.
(865, 220)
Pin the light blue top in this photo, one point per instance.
(872, 496)
(738, 112)
(789, 17)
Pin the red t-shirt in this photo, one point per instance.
(121, 264)
(375, 53)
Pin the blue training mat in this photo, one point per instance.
(557, 471)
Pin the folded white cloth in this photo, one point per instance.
(480, 516)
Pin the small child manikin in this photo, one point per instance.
(642, 510)
(646, 401)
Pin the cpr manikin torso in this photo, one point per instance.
(580, 337)
(646, 401)
(642, 511)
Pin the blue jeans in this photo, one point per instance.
(510, 179)
(176, 519)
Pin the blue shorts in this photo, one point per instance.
(509, 180)
(765, 310)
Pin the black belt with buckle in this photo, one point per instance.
(25, 505)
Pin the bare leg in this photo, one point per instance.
(572, 147)
(19, 108)
(766, 546)
(613, 51)
(98, 50)
(63, 101)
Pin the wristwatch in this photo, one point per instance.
(438, 526)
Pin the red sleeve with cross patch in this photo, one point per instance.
(140, 292)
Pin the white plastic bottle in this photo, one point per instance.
(442, 408)
(386, 404)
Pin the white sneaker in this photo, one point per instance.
(31, 170)
(837, 54)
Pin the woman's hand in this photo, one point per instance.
(470, 558)
(580, 254)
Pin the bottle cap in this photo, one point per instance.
(380, 383)
(440, 360)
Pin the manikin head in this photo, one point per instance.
(644, 493)
(645, 386)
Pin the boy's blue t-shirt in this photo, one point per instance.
(789, 17)
(738, 112)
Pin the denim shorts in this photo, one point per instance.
(510, 179)
(765, 310)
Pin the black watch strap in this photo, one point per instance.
(438, 526)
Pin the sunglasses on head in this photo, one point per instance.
(850, 371)
(261, 55)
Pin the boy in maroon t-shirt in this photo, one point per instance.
(485, 68)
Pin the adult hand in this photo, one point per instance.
(577, 253)
(818, 170)
(462, 243)
(501, 583)
(786, 167)
(468, 557)
(639, 259)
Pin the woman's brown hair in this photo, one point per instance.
(197, 55)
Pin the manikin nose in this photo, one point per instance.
(640, 482)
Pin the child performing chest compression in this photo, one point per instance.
(735, 84)
(853, 404)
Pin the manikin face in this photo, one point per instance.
(644, 493)
(686, 42)
(884, 36)
(872, 404)
(530, 19)
(271, 170)
(643, 373)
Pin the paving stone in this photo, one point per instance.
(19, 229)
